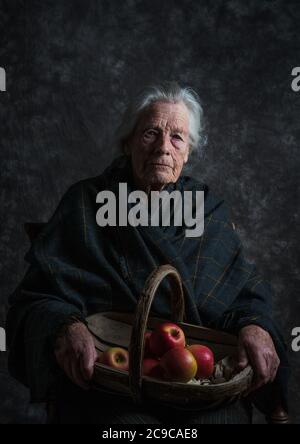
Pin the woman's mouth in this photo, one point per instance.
(160, 165)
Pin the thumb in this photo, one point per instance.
(242, 358)
(87, 362)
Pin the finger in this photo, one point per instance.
(76, 375)
(267, 370)
(275, 369)
(271, 362)
(68, 365)
(260, 379)
(87, 361)
(242, 358)
(260, 368)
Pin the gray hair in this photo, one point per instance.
(166, 92)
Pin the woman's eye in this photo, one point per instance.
(150, 133)
(150, 136)
(177, 136)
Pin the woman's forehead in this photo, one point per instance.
(161, 113)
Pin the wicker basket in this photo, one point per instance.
(127, 330)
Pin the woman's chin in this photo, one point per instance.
(158, 182)
(160, 176)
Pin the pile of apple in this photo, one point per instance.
(166, 356)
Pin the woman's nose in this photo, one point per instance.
(163, 144)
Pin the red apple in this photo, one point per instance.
(165, 337)
(179, 364)
(205, 360)
(115, 357)
(152, 368)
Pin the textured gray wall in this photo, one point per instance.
(71, 66)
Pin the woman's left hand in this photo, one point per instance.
(256, 348)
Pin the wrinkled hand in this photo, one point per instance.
(256, 348)
(76, 354)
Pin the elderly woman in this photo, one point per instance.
(78, 268)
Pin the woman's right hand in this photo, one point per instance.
(76, 354)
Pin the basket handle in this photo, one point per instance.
(136, 347)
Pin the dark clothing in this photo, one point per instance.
(78, 268)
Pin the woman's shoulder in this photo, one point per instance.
(213, 203)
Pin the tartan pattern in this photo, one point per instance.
(78, 268)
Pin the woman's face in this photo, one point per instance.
(159, 145)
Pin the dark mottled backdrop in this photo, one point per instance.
(71, 66)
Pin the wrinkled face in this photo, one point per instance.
(159, 145)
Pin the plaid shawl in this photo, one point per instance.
(78, 268)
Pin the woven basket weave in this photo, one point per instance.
(127, 330)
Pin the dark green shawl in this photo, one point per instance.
(77, 268)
